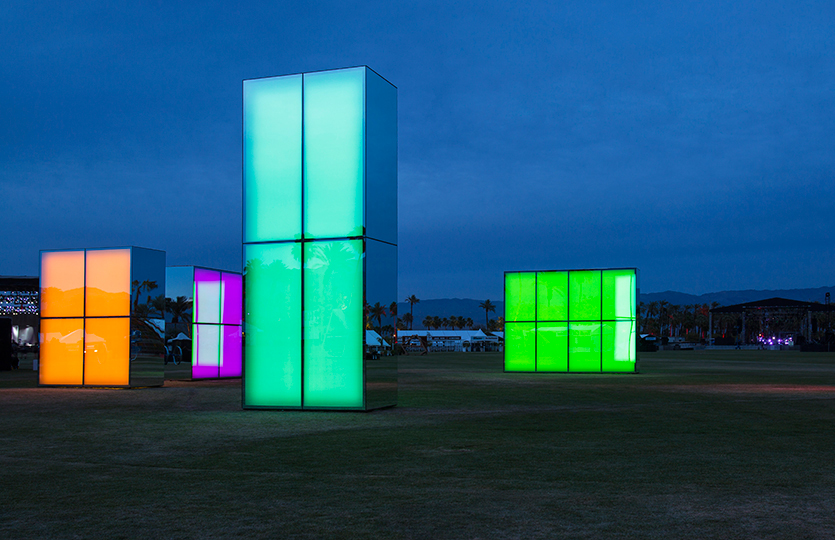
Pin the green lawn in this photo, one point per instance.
(735, 444)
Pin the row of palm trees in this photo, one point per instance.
(378, 312)
(665, 319)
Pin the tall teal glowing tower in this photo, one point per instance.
(571, 321)
(320, 238)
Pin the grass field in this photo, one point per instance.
(700, 444)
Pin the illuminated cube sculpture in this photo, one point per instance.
(571, 321)
(205, 305)
(320, 238)
(102, 317)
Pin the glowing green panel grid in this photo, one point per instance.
(334, 148)
(552, 296)
(619, 346)
(584, 347)
(272, 282)
(520, 296)
(552, 346)
(272, 158)
(619, 294)
(519, 346)
(584, 297)
(333, 323)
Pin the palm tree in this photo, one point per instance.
(377, 312)
(427, 322)
(393, 312)
(436, 322)
(406, 319)
(412, 301)
(469, 323)
(445, 322)
(487, 306)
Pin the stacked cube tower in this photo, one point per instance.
(571, 320)
(102, 317)
(320, 238)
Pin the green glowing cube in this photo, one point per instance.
(578, 321)
(320, 238)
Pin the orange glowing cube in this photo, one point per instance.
(102, 317)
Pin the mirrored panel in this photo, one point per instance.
(381, 297)
(333, 324)
(334, 150)
(273, 327)
(147, 351)
(62, 283)
(61, 351)
(272, 158)
(108, 283)
(381, 158)
(147, 283)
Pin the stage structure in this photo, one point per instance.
(576, 321)
(203, 323)
(320, 238)
(102, 317)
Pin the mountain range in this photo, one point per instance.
(467, 307)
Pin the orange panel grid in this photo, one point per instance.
(108, 283)
(107, 352)
(62, 284)
(61, 354)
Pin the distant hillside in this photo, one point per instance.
(727, 298)
(466, 307)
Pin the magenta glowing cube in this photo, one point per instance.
(217, 304)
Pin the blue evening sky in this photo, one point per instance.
(694, 140)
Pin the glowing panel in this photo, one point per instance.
(272, 158)
(552, 296)
(619, 346)
(584, 295)
(584, 347)
(333, 322)
(107, 351)
(206, 296)
(552, 346)
(619, 294)
(520, 296)
(61, 351)
(520, 346)
(108, 289)
(272, 281)
(62, 284)
(230, 351)
(231, 305)
(334, 148)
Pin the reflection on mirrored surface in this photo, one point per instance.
(62, 283)
(147, 283)
(381, 291)
(147, 352)
(61, 351)
(381, 158)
